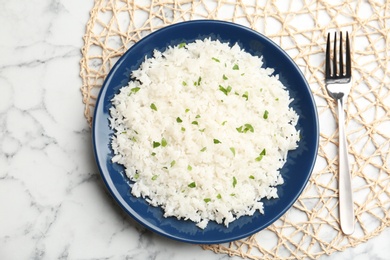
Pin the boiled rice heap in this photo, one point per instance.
(203, 131)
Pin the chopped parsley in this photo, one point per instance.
(261, 155)
(181, 45)
(153, 106)
(207, 200)
(134, 90)
(216, 141)
(192, 185)
(226, 90)
(245, 128)
(235, 67)
(197, 83)
(233, 151)
(215, 59)
(265, 115)
(163, 142)
(245, 95)
(234, 182)
(203, 149)
(179, 120)
(173, 163)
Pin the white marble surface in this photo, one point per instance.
(53, 204)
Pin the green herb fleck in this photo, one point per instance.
(189, 167)
(163, 142)
(192, 185)
(248, 127)
(181, 45)
(235, 67)
(153, 106)
(207, 200)
(153, 154)
(173, 163)
(215, 59)
(216, 141)
(183, 129)
(202, 130)
(135, 90)
(252, 177)
(195, 123)
(224, 77)
(265, 115)
(234, 181)
(184, 83)
(203, 149)
(261, 155)
(136, 176)
(179, 120)
(187, 110)
(233, 150)
(226, 91)
(154, 177)
(232, 194)
(219, 196)
(245, 95)
(245, 128)
(197, 83)
(197, 116)
(156, 144)
(276, 99)
(224, 122)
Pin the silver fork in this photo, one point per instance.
(337, 84)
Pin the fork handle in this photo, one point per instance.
(347, 218)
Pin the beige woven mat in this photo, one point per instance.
(311, 227)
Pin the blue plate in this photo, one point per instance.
(296, 171)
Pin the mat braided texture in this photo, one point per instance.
(311, 227)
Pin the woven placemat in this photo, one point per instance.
(311, 227)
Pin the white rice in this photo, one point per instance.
(203, 131)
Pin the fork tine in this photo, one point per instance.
(335, 55)
(341, 65)
(327, 58)
(348, 58)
